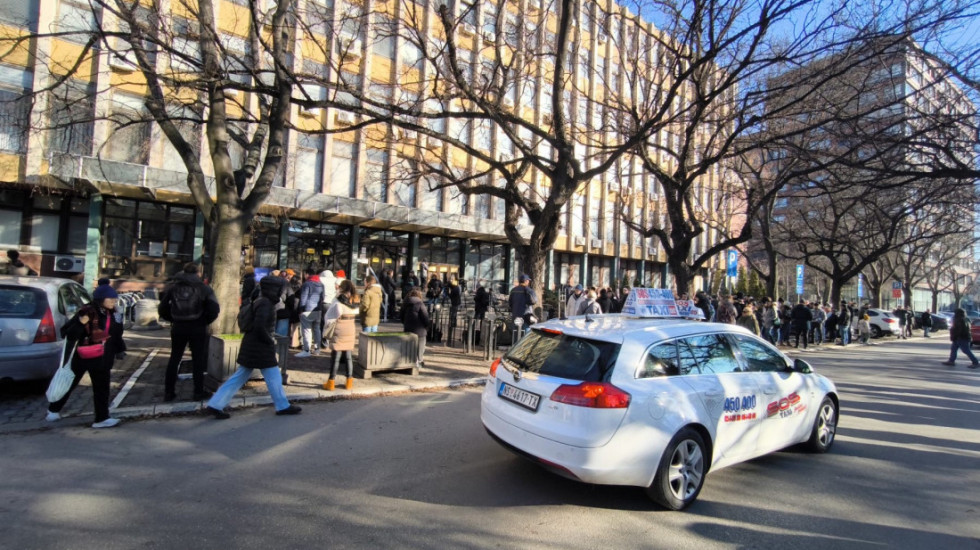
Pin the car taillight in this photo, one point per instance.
(890, 320)
(493, 368)
(46, 331)
(597, 395)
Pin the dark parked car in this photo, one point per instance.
(975, 331)
(940, 322)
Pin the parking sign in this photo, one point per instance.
(799, 279)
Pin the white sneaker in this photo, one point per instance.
(107, 423)
(53, 416)
(303, 354)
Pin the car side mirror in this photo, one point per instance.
(802, 367)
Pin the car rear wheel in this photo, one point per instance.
(875, 332)
(681, 472)
(824, 427)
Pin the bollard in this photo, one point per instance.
(469, 333)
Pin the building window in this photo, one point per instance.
(74, 17)
(376, 176)
(146, 240)
(72, 113)
(15, 83)
(129, 137)
(343, 168)
(309, 163)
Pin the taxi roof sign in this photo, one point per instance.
(659, 302)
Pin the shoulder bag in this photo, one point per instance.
(61, 381)
(94, 351)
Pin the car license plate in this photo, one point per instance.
(523, 398)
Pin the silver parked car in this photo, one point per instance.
(32, 312)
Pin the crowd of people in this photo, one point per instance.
(320, 311)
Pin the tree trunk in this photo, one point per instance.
(532, 259)
(683, 276)
(227, 254)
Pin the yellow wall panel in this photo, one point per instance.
(234, 19)
(64, 56)
(15, 54)
(380, 69)
(10, 167)
(185, 8)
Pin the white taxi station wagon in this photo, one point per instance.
(653, 397)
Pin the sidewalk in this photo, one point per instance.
(137, 384)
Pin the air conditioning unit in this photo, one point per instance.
(489, 37)
(602, 38)
(345, 117)
(69, 264)
(121, 63)
(596, 243)
(311, 112)
(351, 47)
(578, 241)
(651, 251)
(508, 102)
(467, 29)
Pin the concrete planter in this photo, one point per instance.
(222, 359)
(390, 351)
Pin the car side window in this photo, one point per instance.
(661, 360)
(707, 354)
(758, 356)
(69, 299)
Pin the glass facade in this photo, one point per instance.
(145, 240)
(320, 245)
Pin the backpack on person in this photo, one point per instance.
(246, 316)
(186, 302)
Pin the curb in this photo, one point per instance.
(167, 409)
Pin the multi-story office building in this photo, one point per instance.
(115, 197)
(891, 110)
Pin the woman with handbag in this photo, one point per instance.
(95, 335)
(343, 331)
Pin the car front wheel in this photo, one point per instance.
(824, 427)
(680, 475)
(875, 332)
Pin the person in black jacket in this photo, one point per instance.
(248, 284)
(926, 322)
(415, 318)
(88, 326)
(960, 339)
(800, 318)
(188, 328)
(388, 286)
(258, 351)
(481, 302)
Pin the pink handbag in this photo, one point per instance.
(94, 351)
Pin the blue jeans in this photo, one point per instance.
(282, 327)
(373, 328)
(961, 344)
(273, 380)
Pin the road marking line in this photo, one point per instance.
(132, 381)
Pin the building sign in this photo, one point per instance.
(896, 289)
(659, 302)
(860, 285)
(733, 263)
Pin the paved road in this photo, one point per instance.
(417, 471)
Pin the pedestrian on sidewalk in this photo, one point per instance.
(190, 305)
(800, 317)
(415, 319)
(370, 310)
(864, 329)
(258, 351)
(95, 323)
(959, 336)
(341, 325)
(926, 322)
(749, 320)
(310, 311)
(899, 314)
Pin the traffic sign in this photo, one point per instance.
(799, 279)
(733, 263)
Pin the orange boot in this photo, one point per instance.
(328, 385)
(349, 384)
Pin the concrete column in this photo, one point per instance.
(93, 240)
(283, 244)
(198, 253)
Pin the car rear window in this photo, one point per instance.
(22, 303)
(564, 356)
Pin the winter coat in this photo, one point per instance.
(248, 287)
(481, 302)
(926, 320)
(311, 295)
(455, 295)
(864, 326)
(726, 313)
(329, 282)
(749, 322)
(210, 305)
(589, 307)
(605, 303)
(258, 349)
(768, 317)
(415, 316)
(371, 306)
(960, 329)
(521, 301)
(75, 333)
(574, 303)
(344, 315)
(800, 315)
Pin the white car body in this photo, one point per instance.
(625, 446)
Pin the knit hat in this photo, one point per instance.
(524, 278)
(341, 274)
(102, 292)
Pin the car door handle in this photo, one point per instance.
(713, 393)
(770, 390)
